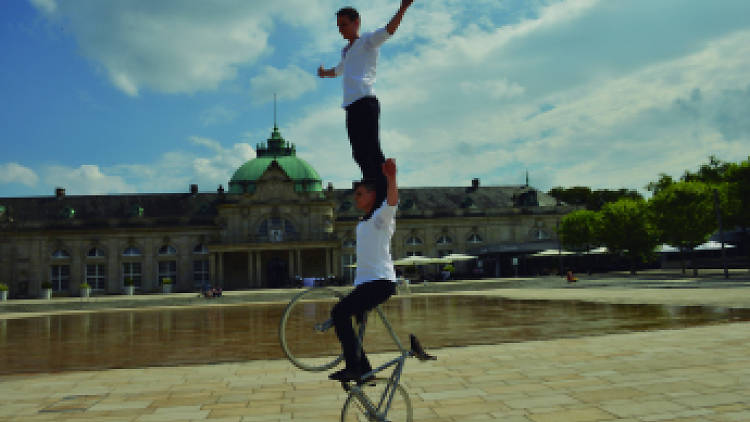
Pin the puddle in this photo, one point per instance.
(202, 335)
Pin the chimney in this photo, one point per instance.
(474, 184)
(59, 193)
(194, 189)
(220, 191)
(330, 186)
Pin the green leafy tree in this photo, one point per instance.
(578, 231)
(737, 209)
(664, 182)
(592, 200)
(625, 228)
(685, 216)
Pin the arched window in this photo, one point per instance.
(444, 240)
(167, 250)
(413, 241)
(95, 253)
(132, 251)
(475, 238)
(60, 254)
(413, 253)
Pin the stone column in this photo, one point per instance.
(250, 281)
(212, 268)
(291, 264)
(328, 262)
(258, 278)
(299, 262)
(220, 266)
(336, 263)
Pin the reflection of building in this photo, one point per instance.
(275, 222)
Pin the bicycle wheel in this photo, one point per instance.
(355, 410)
(306, 347)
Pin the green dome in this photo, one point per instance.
(305, 178)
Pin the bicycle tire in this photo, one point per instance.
(306, 347)
(355, 411)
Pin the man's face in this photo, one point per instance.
(347, 27)
(364, 198)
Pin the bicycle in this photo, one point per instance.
(309, 313)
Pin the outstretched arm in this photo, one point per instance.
(396, 19)
(389, 170)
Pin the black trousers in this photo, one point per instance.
(363, 298)
(362, 125)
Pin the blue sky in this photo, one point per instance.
(143, 96)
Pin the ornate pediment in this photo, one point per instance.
(274, 184)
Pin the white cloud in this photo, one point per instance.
(46, 6)
(289, 83)
(218, 114)
(12, 173)
(85, 180)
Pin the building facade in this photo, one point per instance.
(275, 223)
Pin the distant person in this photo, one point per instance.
(358, 65)
(375, 278)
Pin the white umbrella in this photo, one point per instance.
(598, 251)
(666, 248)
(712, 245)
(460, 257)
(412, 260)
(553, 252)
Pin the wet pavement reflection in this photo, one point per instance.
(139, 338)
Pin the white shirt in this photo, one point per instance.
(374, 246)
(358, 62)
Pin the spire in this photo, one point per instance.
(527, 177)
(275, 125)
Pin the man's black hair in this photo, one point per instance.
(349, 12)
(371, 186)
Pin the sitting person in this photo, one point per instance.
(570, 277)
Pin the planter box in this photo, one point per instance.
(166, 288)
(86, 292)
(47, 294)
(129, 290)
(3, 295)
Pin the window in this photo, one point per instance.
(132, 270)
(168, 269)
(96, 276)
(132, 251)
(444, 240)
(200, 249)
(95, 253)
(350, 243)
(413, 241)
(413, 253)
(474, 238)
(60, 254)
(200, 273)
(60, 277)
(167, 250)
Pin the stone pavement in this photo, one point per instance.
(693, 374)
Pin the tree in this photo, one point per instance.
(684, 215)
(625, 227)
(737, 210)
(664, 182)
(592, 200)
(578, 230)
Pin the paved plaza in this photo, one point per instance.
(692, 374)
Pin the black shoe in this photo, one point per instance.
(345, 375)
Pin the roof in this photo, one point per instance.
(303, 174)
